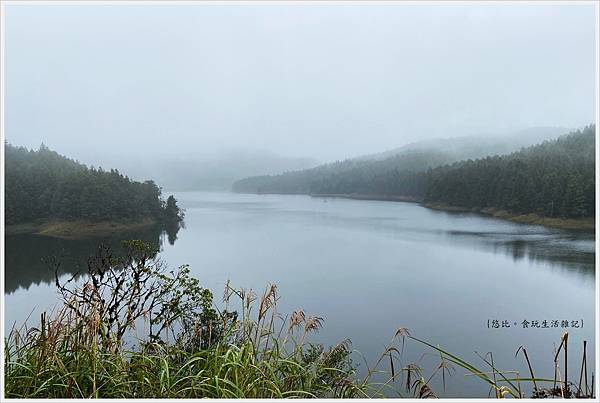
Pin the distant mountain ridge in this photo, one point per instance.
(474, 146)
(555, 178)
(414, 157)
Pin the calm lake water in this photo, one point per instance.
(368, 268)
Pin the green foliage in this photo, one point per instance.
(390, 176)
(172, 212)
(552, 179)
(43, 185)
(135, 329)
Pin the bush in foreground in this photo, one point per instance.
(134, 329)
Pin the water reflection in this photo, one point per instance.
(368, 268)
(559, 249)
(33, 259)
(571, 250)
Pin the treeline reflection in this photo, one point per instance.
(33, 259)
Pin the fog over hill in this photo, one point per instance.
(414, 157)
(199, 168)
(475, 146)
(219, 169)
(202, 170)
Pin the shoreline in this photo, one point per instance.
(77, 229)
(582, 224)
(358, 196)
(578, 224)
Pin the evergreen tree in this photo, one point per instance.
(43, 185)
(554, 178)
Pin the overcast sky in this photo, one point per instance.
(324, 81)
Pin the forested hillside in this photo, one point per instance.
(553, 179)
(390, 170)
(357, 174)
(44, 185)
(478, 146)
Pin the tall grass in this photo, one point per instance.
(91, 347)
(135, 329)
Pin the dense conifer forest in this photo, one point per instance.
(44, 185)
(355, 174)
(553, 179)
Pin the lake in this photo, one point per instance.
(368, 268)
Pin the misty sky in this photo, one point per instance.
(324, 81)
